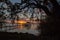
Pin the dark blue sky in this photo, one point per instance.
(19, 1)
(14, 1)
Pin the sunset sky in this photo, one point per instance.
(31, 31)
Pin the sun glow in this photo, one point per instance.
(21, 23)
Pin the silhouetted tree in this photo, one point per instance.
(52, 22)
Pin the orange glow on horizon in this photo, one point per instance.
(21, 23)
